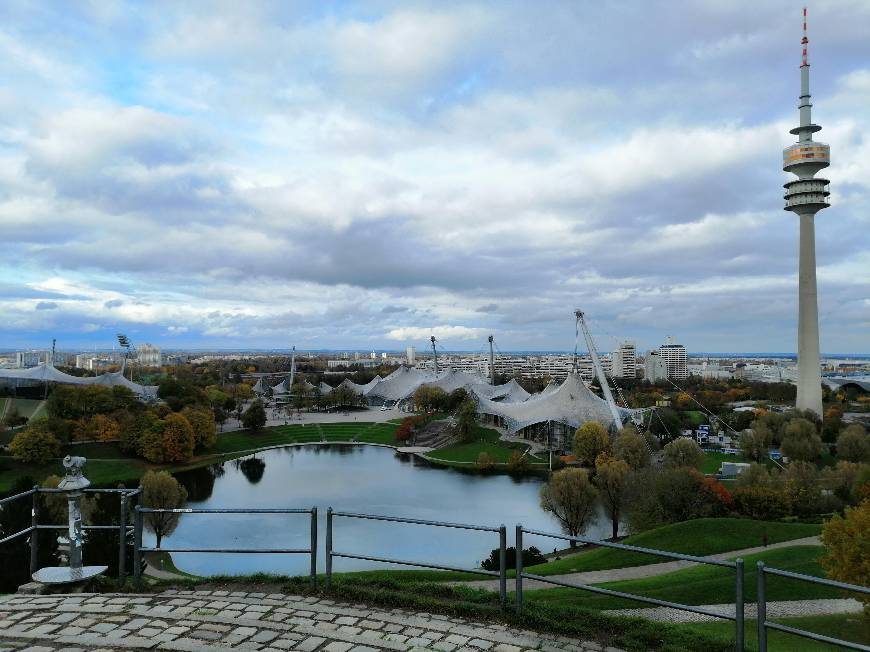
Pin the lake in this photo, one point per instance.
(352, 478)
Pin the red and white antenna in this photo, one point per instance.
(805, 40)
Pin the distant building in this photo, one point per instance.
(654, 367)
(25, 359)
(624, 361)
(411, 355)
(149, 356)
(674, 357)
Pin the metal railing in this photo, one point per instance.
(764, 624)
(501, 574)
(737, 566)
(138, 548)
(123, 527)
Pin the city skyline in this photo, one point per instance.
(328, 176)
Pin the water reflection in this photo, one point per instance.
(365, 479)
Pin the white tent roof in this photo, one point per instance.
(280, 388)
(402, 383)
(571, 403)
(45, 372)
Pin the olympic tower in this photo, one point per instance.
(806, 196)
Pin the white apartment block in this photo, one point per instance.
(674, 356)
(624, 361)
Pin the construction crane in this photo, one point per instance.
(596, 363)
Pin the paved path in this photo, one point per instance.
(638, 572)
(217, 621)
(784, 609)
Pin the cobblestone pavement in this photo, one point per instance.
(215, 621)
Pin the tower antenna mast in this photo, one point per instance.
(599, 370)
(434, 353)
(491, 362)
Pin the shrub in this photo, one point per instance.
(485, 462)
(518, 463)
(531, 557)
(36, 444)
(761, 503)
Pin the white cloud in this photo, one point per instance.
(442, 333)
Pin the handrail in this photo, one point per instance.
(501, 530)
(138, 548)
(764, 624)
(737, 566)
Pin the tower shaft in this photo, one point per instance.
(809, 387)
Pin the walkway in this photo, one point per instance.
(638, 572)
(783, 609)
(277, 418)
(217, 621)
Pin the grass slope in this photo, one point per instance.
(706, 584)
(484, 440)
(705, 536)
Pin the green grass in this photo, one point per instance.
(484, 440)
(706, 584)
(713, 461)
(696, 416)
(106, 451)
(706, 536)
(849, 627)
(26, 407)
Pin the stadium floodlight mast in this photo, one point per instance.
(129, 351)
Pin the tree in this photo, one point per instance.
(611, 478)
(666, 424)
(36, 444)
(135, 433)
(590, 440)
(104, 428)
(802, 487)
(202, 422)
(254, 417)
(57, 505)
(761, 503)
(630, 447)
(853, 444)
(800, 441)
(428, 398)
(531, 557)
(570, 497)
(161, 491)
(847, 545)
(171, 440)
(467, 420)
(683, 452)
(754, 444)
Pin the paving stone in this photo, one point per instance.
(310, 644)
(480, 643)
(206, 635)
(264, 636)
(504, 647)
(363, 648)
(338, 646)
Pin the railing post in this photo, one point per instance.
(313, 547)
(328, 546)
(738, 605)
(122, 541)
(519, 589)
(502, 564)
(34, 532)
(137, 544)
(762, 609)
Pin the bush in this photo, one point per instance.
(518, 463)
(683, 452)
(485, 462)
(36, 444)
(531, 557)
(761, 503)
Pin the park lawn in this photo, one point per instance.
(99, 472)
(99, 451)
(379, 433)
(707, 584)
(26, 407)
(703, 536)
(713, 461)
(484, 440)
(849, 627)
(696, 416)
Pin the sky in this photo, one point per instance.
(363, 175)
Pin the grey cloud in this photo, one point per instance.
(46, 305)
(113, 303)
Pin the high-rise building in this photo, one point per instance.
(148, 355)
(806, 196)
(654, 368)
(624, 361)
(674, 357)
(411, 355)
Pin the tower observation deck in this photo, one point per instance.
(806, 196)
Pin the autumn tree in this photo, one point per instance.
(755, 444)
(800, 441)
(254, 417)
(103, 428)
(847, 548)
(161, 491)
(202, 422)
(171, 441)
(467, 420)
(590, 440)
(630, 447)
(570, 497)
(853, 444)
(36, 444)
(683, 452)
(611, 478)
(485, 462)
(802, 487)
(428, 398)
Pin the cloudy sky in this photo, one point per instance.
(343, 175)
